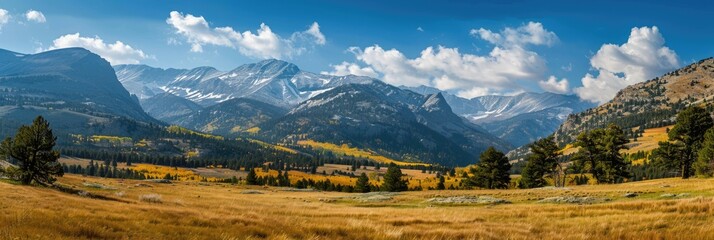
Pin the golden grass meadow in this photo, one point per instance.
(661, 209)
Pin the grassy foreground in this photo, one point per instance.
(194, 210)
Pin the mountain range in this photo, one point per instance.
(271, 100)
(519, 119)
(91, 113)
(388, 120)
(275, 82)
(75, 89)
(378, 116)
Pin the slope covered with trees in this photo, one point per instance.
(650, 104)
(393, 122)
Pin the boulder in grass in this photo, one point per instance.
(467, 200)
(251, 192)
(630, 195)
(573, 200)
(158, 180)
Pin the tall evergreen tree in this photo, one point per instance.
(689, 130)
(32, 147)
(393, 181)
(252, 178)
(362, 185)
(542, 160)
(705, 157)
(588, 156)
(492, 171)
(613, 162)
(600, 154)
(441, 185)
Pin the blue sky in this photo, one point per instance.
(554, 46)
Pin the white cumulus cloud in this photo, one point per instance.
(531, 33)
(346, 68)
(315, 32)
(554, 85)
(470, 75)
(116, 53)
(263, 44)
(643, 57)
(4, 17)
(35, 16)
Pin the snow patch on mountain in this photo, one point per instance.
(274, 82)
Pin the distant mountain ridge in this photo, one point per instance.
(71, 73)
(76, 90)
(169, 108)
(271, 81)
(391, 121)
(518, 119)
(234, 117)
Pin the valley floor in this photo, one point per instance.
(662, 209)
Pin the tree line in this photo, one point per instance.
(689, 151)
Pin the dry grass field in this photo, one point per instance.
(663, 209)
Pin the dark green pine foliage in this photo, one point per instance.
(705, 158)
(393, 181)
(688, 134)
(588, 156)
(600, 154)
(543, 160)
(492, 171)
(252, 178)
(440, 185)
(32, 148)
(362, 185)
(614, 166)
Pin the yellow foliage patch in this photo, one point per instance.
(278, 147)
(182, 130)
(294, 176)
(253, 130)
(345, 149)
(112, 139)
(183, 174)
(650, 140)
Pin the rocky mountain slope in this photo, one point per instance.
(239, 116)
(72, 74)
(73, 88)
(274, 82)
(648, 104)
(169, 108)
(519, 119)
(391, 121)
(145, 82)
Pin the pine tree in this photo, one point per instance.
(251, 179)
(32, 147)
(362, 185)
(705, 157)
(492, 171)
(441, 185)
(543, 160)
(393, 181)
(692, 123)
(588, 155)
(612, 143)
